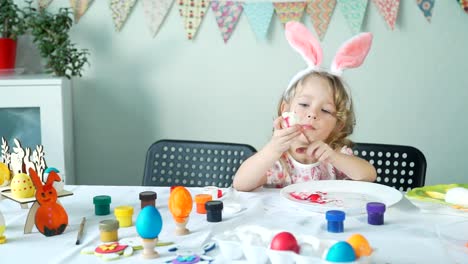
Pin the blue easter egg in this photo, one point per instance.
(149, 222)
(341, 252)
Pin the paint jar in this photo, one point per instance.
(375, 213)
(214, 211)
(124, 215)
(200, 200)
(214, 191)
(102, 204)
(148, 198)
(108, 230)
(335, 219)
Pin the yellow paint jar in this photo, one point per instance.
(109, 230)
(124, 215)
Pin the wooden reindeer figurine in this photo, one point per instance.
(51, 218)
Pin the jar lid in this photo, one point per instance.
(124, 210)
(375, 207)
(214, 205)
(102, 199)
(203, 198)
(148, 195)
(108, 225)
(335, 215)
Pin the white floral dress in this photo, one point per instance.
(303, 172)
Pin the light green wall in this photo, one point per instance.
(411, 90)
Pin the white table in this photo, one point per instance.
(408, 235)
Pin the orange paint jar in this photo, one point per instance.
(200, 200)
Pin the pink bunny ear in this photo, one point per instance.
(300, 38)
(352, 53)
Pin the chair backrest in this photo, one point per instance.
(401, 167)
(193, 163)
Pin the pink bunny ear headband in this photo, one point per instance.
(350, 55)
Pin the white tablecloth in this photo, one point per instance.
(408, 236)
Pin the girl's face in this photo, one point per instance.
(314, 106)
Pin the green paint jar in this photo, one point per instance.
(102, 204)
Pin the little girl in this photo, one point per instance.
(316, 147)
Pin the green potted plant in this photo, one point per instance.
(50, 33)
(12, 25)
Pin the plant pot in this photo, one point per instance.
(7, 53)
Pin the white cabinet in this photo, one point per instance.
(26, 98)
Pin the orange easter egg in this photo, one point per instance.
(180, 203)
(4, 174)
(360, 245)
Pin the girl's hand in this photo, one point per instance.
(282, 137)
(321, 151)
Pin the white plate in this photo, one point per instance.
(348, 196)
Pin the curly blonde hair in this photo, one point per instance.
(343, 103)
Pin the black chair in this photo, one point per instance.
(193, 163)
(401, 167)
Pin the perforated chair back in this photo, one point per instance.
(401, 167)
(193, 163)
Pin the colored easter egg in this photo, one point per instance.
(180, 203)
(285, 241)
(149, 222)
(360, 245)
(22, 186)
(341, 252)
(4, 174)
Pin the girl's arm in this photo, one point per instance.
(252, 173)
(354, 167)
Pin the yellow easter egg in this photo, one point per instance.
(22, 186)
(4, 174)
(360, 245)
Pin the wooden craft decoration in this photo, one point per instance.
(21, 159)
(180, 205)
(51, 218)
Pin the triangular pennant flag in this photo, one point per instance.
(289, 11)
(389, 10)
(354, 12)
(259, 15)
(426, 7)
(155, 12)
(193, 12)
(227, 15)
(43, 4)
(320, 12)
(120, 11)
(79, 8)
(464, 5)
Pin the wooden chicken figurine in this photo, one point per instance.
(180, 206)
(51, 218)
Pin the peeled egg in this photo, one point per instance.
(360, 245)
(341, 252)
(22, 186)
(285, 241)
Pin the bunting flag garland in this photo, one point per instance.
(426, 7)
(464, 5)
(389, 10)
(43, 4)
(120, 11)
(354, 11)
(79, 8)
(155, 12)
(192, 12)
(259, 15)
(289, 11)
(320, 12)
(227, 15)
